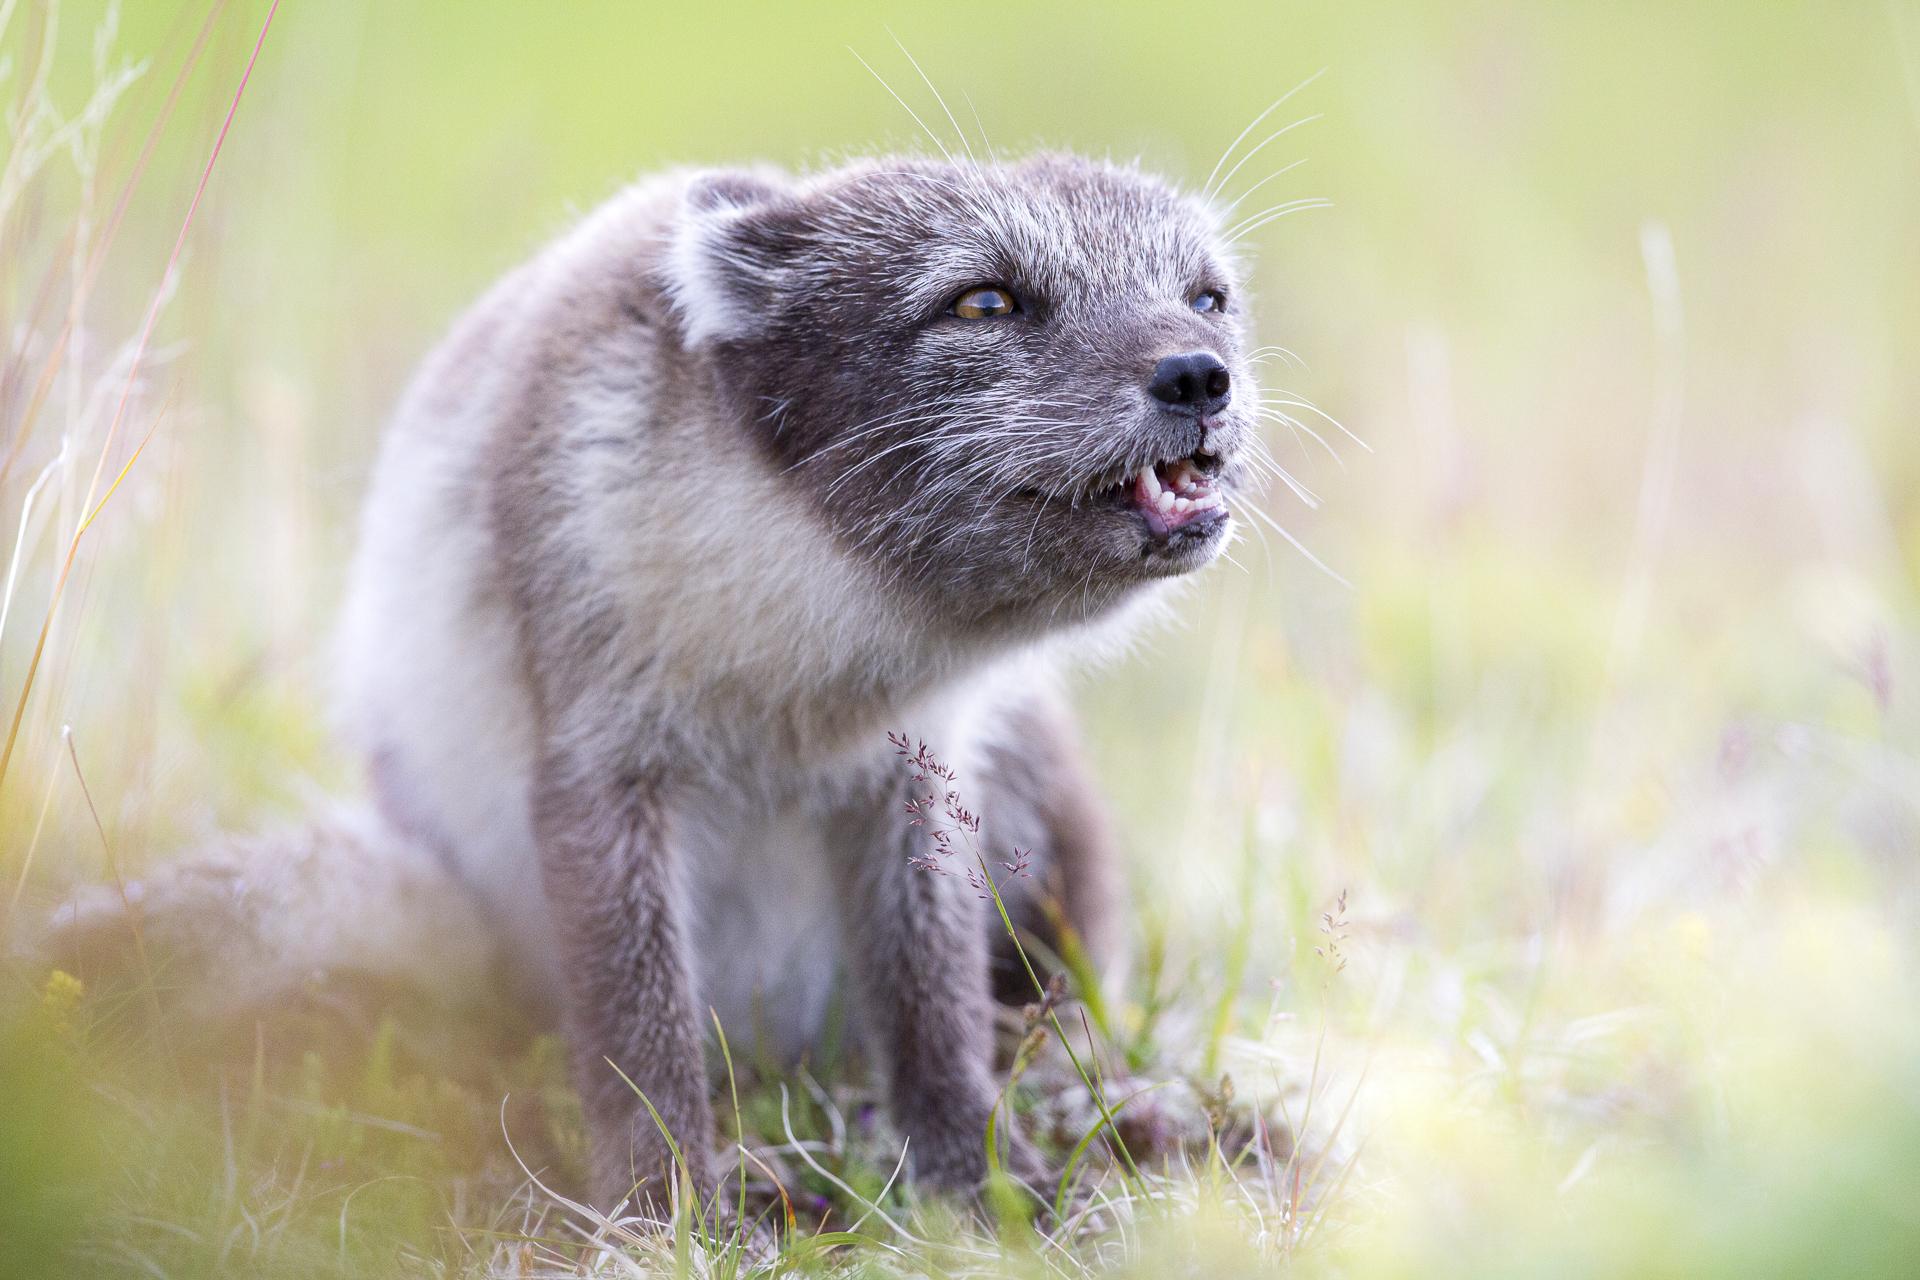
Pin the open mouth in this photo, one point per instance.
(1173, 495)
(1178, 500)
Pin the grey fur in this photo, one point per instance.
(683, 517)
(689, 512)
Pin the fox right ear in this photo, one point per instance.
(727, 252)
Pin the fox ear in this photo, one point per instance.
(729, 243)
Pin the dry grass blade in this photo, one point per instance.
(126, 395)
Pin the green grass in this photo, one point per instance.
(1611, 751)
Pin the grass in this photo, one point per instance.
(1545, 903)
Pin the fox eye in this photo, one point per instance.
(1209, 300)
(985, 303)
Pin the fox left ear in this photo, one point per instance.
(734, 232)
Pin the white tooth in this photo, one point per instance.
(1182, 504)
(1151, 480)
(1165, 502)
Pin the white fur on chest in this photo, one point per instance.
(766, 895)
(765, 930)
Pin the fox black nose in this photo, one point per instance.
(1195, 383)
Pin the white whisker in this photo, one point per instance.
(1240, 199)
(1266, 142)
(1275, 105)
(1286, 399)
(1241, 231)
(931, 135)
(1299, 546)
(958, 131)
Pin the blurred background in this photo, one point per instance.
(1582, 819)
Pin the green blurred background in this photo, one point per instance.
(1616, 719)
